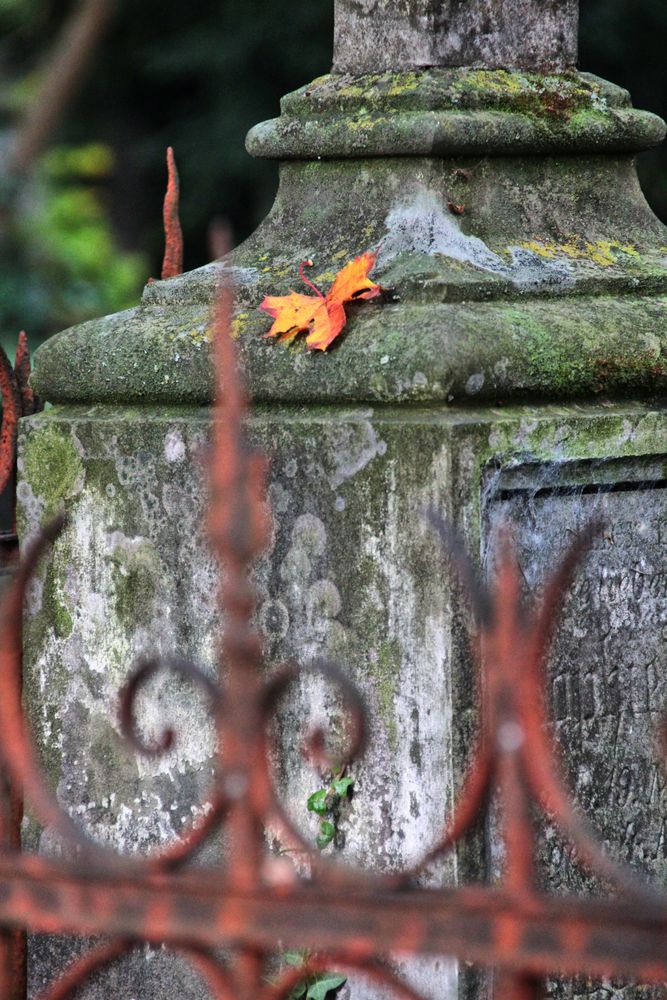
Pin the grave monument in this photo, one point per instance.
(512, 369)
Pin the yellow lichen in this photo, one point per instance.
(405, 82)
(631, 251)
(200, 335)
(499, 81)
(326, 276)
(604, 253)
(353, 90)
(601, 253)
(546, 250)
(363, 126)
(237, 325)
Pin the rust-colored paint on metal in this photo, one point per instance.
(29, 403)
(12, 940)
(11, 411)
(258, 903)
(18, 400)
(172, 264)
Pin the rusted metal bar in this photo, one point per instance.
(12, 940)
(18, 400)
(488, 926)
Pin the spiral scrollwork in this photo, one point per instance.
(144, 672)
(353, 701)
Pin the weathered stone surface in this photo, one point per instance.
(349, 488)
(132, 576)
(517, 294)
(450, 112)
(440, 89)
(148, 973)
(607, 685)
(476, 133)
(375, 35)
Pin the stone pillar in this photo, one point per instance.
(372, 36)
(511, 370)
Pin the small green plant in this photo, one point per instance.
(316, 986)
(325, 803)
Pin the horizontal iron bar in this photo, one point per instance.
(481, 925)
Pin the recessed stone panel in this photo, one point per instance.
(607, 676)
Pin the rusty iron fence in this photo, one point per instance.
(256, 904)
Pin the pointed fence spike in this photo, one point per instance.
(172, 265)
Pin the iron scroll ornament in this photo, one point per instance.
(257, 903)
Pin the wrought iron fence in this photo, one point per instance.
(256, 904)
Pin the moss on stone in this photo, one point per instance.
(444, 319)
(385, 668)
(102, 475)
(54, 605)
(135, 569)
(53, 467)
(484, 132)
(454, 88)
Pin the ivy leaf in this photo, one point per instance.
(298, 991)
(294, 958)
(321, 317)
(324, 985)
(326, 834)
(317, 802)
(341, 786)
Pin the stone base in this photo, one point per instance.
(353, 573)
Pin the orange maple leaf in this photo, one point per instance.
(321, 316)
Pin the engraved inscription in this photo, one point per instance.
(608, 667)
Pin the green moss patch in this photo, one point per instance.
(52, 467)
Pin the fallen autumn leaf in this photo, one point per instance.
(321, 316)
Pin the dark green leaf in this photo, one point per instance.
(326, 834)
(342, 786)
(317, 803)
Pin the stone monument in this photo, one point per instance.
(512, 369)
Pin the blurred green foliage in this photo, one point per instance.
(60, 261)
(197, 76)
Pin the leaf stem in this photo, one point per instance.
(309, 263)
